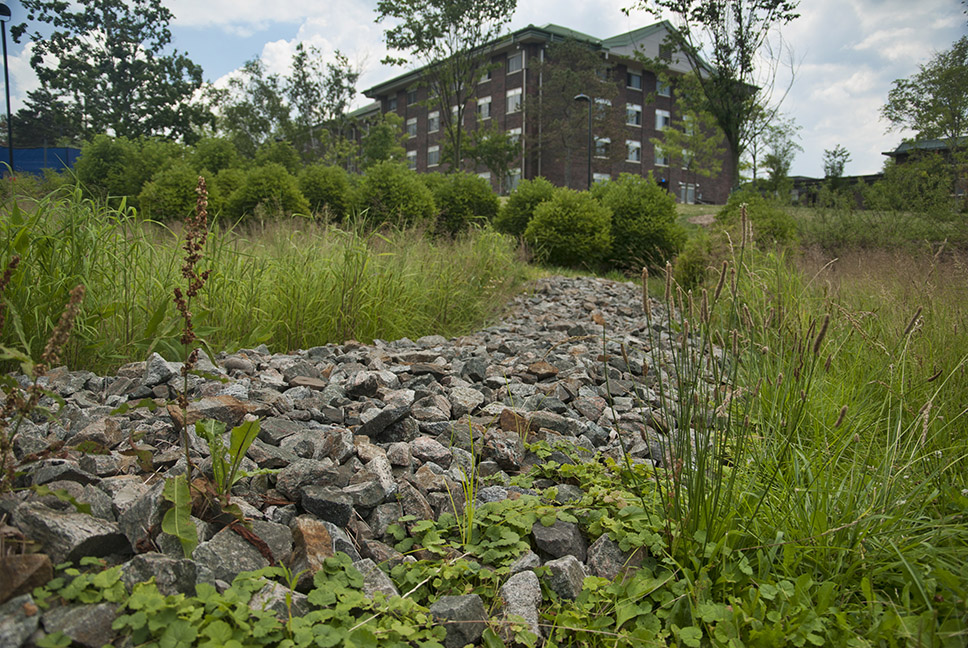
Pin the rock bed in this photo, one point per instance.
(355, 436)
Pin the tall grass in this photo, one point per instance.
(292, 284)
(815, 418)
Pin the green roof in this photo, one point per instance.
(927, 145)
(564, 32)
(630, 38)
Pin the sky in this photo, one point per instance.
(840, 57)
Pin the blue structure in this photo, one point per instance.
(35, 160)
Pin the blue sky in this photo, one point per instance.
(846, 53)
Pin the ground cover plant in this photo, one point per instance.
(811, 488)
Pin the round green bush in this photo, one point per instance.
(171, 193)
(214, 154)
(115, 167)
(520, 205)
(270, 189)
(277, 152)
(463, 199)
(644, 225)
(693, 263)
(772, 225)
(391, 193)
(572, 229)
(327, 188)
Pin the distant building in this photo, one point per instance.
(642, 107)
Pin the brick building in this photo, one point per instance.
(641, 106)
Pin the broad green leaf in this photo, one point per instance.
(691, 636)
(177, 520)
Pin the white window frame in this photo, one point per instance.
(631, 108)
(519, 56)
(661, 159)
(628, 80)
(513, 178)
(484, 101)
(513, 100)
(663, 119)
(485, 77)
(411, 91)
(601, 177)
(433, 121)
(606, 141)
(515, 134)
(433, 149)
(663, 89)
(633, 151)
(412, 160)
(411, 128)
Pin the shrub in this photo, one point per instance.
(520, 206)
(462, 199)
(327, 188)
(391, 193)
(644, 225)
(171, 193)
(270, 188)
(281, 153)
(693, 263)
(571, 229)
(923, 185)
(116, 167)
(214, 154)
(772, 225)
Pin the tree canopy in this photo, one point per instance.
(450, 38)
(934, 101)
(722, 42)
(108, 62)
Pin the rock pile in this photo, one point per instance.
(353, 436)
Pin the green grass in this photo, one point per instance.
(293, 284)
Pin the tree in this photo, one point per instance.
(571, 68)
(834, 161)
(452, 39)
(44, 120)
(933, 102)
(781, 142)
(496, 150)
(105, 61)
(254, 109)
(694, 141)
(384, 141)
(734, 33)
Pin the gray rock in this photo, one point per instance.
(560, 539)
(19, 619)
(305, 472)
(464, 617)
(273, 598)
(172, 575)
(566, 576)
(87, 625)
(526, 562)
(69, 536)
(607, 560)
(374, 579)
(521, 595)
(375, 425)
(464, 400)
(157, 371)
(427, 449)
(327, 503)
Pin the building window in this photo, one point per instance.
(602, 146)
(514, 134)
(514, 100)
(687, 193)
(662, 119)
(601, 108)
(412, 127)
(686, 159)
(633, 151)
(411, 97)
(453, 114)
(514, 178)
(433, 122)
(433, 156)
(411, 160)
(662, 88)
(515, 62)
(486, 76)
(661, 159)
(633, 80)
(484, 108)
(391, 103)
(485, 175)
(633, 114)
(598, 178)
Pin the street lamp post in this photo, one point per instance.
(585, 97)
(4, 17)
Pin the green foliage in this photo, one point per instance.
(177, 520)
(279, 152)
(922, 184)
(226, 461)
(694, 261)
(384, 141)
(170, 195)
(214, 154)
(520, 205)
(267, 190)
(495, 149)
(228, 180)
(327, 188)
(644, 222)
(390, 193)
(126, 80)
(463, 199)
(772, 225)
(571, 229)
(116, 167)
